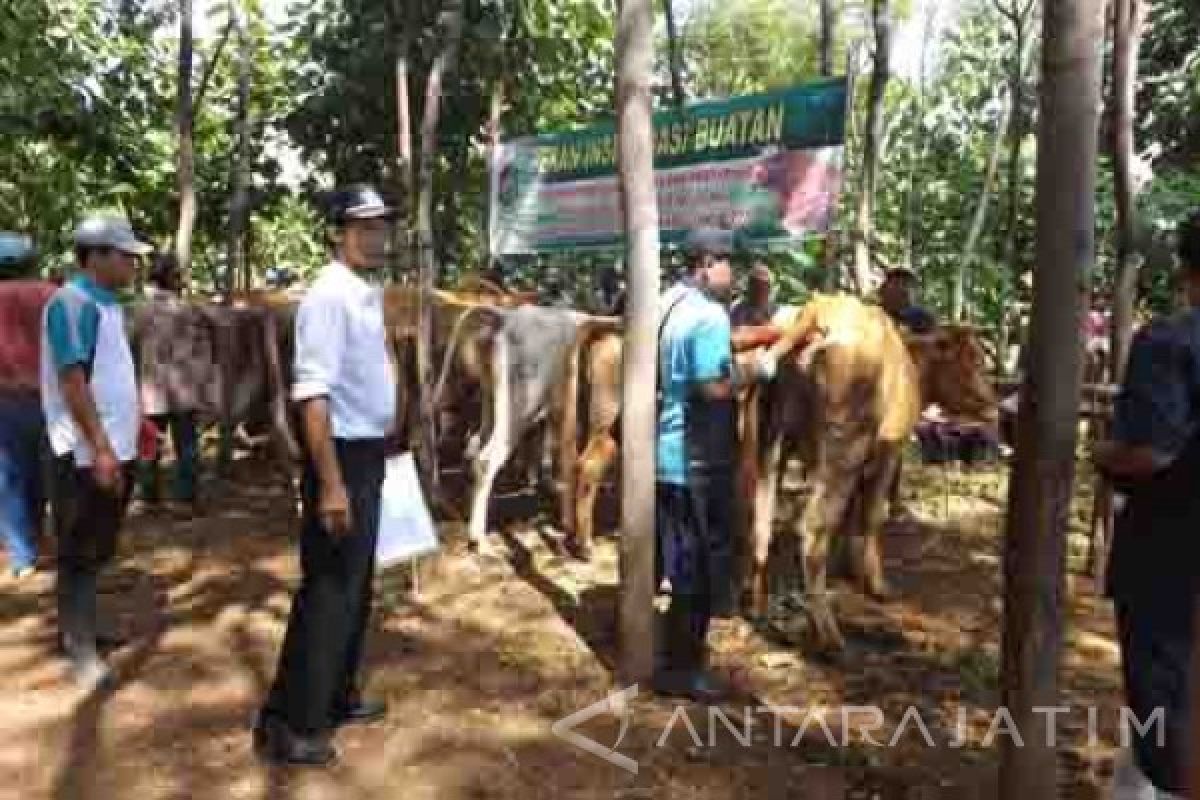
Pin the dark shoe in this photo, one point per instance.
(110, 641)
(363, 712)
(697, 686)
(275, 743)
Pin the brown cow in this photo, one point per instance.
(602, 377)
(849, 400)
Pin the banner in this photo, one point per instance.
(768, 167)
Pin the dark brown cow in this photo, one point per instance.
(848, 401)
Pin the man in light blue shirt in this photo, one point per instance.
(346, 389)
(695, 455)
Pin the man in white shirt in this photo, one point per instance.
(345, 387)
(90, 401)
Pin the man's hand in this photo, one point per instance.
(333, 507)
(106, 470)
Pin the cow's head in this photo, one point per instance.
(953, 368)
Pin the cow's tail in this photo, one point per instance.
(452, 346)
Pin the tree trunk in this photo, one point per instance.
(186, 158)
(495, 114)
(872, 136)
(1127, 33)
(674, 55)
(239, 205)
(1017, 128)
(828, 26)
(1043, 472)
(639, 209)
(958, 296)
(971, 245)
(451, 24)
(915, 199)
(403, 16)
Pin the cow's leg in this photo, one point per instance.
(599, 455)
(770, 460)
(821, 520)
(495, 453)
(874, 501)
(564, 429)
(603, 408)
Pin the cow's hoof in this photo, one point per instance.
(580, 550)
(879, 591)
(826, 634)
(481, 547)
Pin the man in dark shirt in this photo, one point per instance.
(755, 307)
(21, 428)
(895, 295)
(1154, 461)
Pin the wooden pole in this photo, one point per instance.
(1040, 489)
(639, 208)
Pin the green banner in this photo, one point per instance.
(767, 166)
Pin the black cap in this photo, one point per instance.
(709, 241)
(358, 202)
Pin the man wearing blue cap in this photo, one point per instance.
(346, 389)
(90, 400)
(695, 452)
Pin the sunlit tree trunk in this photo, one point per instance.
(872, 138)
(1041, 485)
(185, 159)
(1128, 16)
(639, 209)
(451, 24)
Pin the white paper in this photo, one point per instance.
(405, 525)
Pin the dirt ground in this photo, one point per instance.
(479, 665)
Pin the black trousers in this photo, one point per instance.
(693, 528)
(318, 669)
(694, 525)
(87, 519)
(1156, 633)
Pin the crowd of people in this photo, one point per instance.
(79, 423)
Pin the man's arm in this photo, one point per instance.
(320, 334)
(1152, 413)
(71, 330)
(77, 395)
(334, 503)
(712, 358)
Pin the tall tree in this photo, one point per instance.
(1127, 33)
(403, 21)
(828, 28)
(238, 266)
(674, 55)
(872, 141)
(1041, 484)
(451, 23)
(639, 210)
(971, 244)
(958, 304)
(1019, 14)
(184, 123)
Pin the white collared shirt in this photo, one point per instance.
(341, 354)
